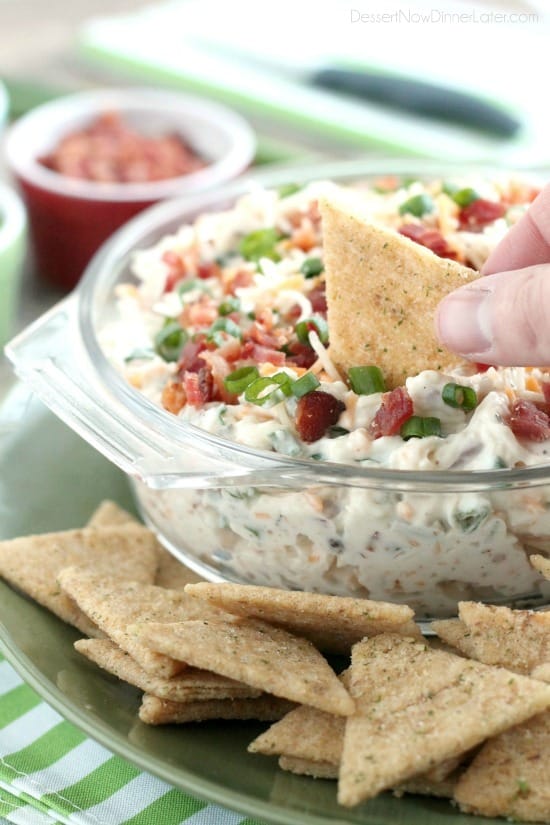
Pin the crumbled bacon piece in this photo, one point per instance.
(430, 238)
(479, 214)
(208, 269)
(302, 355)
(174, 397)
(176, 269)
(262, 355)
(190, 360)
(315, 413)
(527, 421)
(199, 387)
(318, 299)
(395, 409)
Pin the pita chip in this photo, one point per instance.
(32, 563)
(155, 711)
(542, 564)
(382, 291)
(110, 514)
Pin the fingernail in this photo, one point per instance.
(463, 321)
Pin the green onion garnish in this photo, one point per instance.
(260, 244)
(140, 355)
(238, 380)
(288, 189)
(268, 388)
(223, 325)
(169, 341)
(464, 197)
(418, 427)
(317, 323)
(306, 383)
(366, 380)
(228, 306)
(463, 398)
(450, 188)
(311, 267)
(193, 283)
(418, 205)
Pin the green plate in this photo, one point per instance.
(49, 480)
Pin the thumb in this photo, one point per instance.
(501, 319)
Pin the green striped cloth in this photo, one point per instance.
(51, 773)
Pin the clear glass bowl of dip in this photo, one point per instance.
(425, 538)
(70, 217)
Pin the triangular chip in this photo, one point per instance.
(114, 604)
(541, 564)
(304, 733)
(416, 707)
(190, 686)
(110, 514)
(510, 776)
(155, 711)
(382, 291)
(516, 639)
(333, 623)
(308, 767)
(255, 653)
(33, 563)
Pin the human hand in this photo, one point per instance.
(504, 317)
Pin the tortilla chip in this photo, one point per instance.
(190, 686)
(516, 639)
(542, 564)
(416, 707)
(255, 653)
(304, 733)
(155, 711)
(382, 292)
(510, 776)
(110, 514)
(421, 786)
(114, 604)
(308, 767)
(33, 563)
(332, 623)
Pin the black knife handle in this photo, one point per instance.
(421, 98)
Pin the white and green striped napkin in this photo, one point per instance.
(52, 773)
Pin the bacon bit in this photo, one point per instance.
(238, 280)
(479, 214)
(190, 358)
(176, 269)
(304, 238)
(315, 413)
(395, 409)
(261, 335)
(301, 355)
(318, 299)
(527, 421)
(199, 387)
(481, 367)
(201, 313)
(208, 269)
(430, 238)
(174, 397)
(261, 354)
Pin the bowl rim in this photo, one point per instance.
(148, 99)
(13, 218)
(120, 247)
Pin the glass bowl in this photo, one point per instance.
(428, 539)
(70, 217)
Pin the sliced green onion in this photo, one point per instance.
(366, 380)
(418, 427)
(268, 388)
(228, 306)
(336, 432)
(307, 383)
(463, 398)
(418, 205)
(312, 267)
(140, 355)
(464, 197)
(169, 341)
(450, 188)
(190, 285)
(223, 325)
(238, 380)
(288, 189)
(317, 323)
(260, 244)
